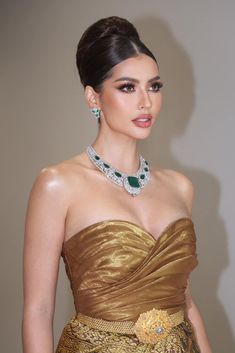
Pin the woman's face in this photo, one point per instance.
(131, 91)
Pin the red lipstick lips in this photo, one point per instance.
(143, 120)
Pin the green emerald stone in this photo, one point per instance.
(97, 158)
(118, 174)
(142, 176)
(133, 181)
(146, 162)
(146, 169)
(106, 165)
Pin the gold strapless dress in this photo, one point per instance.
(118, 270)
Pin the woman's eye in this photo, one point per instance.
(126, 88)
(156, 86)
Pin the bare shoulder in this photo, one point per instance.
(50, 179)
(56, 183)
(56, 178)
(179, 182)
(50, 186)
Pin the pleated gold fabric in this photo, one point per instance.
(118, 270)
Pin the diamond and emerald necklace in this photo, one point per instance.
(131, 183)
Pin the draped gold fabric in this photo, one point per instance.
(117, 271)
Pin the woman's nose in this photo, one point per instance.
(145, 101)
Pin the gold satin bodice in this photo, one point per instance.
(118, 270)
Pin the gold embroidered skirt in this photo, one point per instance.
(80, 337)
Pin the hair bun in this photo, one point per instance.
(115, 25)
(105, 27)
(103, 45)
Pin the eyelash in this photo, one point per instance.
(130, 85)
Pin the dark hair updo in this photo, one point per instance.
(105, 44)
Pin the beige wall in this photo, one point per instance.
(44, 119)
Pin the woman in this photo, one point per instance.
(124, 228)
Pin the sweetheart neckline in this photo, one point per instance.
(133, 224)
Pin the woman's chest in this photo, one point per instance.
(153, 209)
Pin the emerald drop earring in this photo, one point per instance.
(95, 112)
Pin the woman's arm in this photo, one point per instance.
(44, 234)
(197, 322)
(186, 187)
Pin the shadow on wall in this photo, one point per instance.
(179, 100)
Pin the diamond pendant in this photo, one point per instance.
(131, 184)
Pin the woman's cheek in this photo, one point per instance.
(158, 103)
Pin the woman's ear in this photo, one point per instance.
(92, 97)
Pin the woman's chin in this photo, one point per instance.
(142, 134)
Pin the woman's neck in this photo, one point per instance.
(122, 153)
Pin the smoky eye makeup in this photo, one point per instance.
(126, 87)
(129, 87)
(157, 84)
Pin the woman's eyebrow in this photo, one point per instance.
(135, 80)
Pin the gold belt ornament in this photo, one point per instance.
(151, 327)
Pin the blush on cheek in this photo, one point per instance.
(118, 104)
(158, 104)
